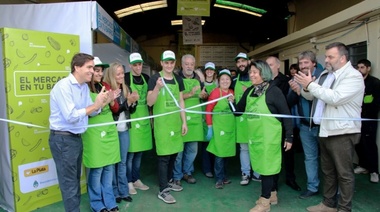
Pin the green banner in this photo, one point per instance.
(193, 8)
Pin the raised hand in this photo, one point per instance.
(133, 97)
(116, 93)
(295, 86)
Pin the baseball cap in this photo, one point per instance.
(210, 65)
(167, 55)
(98, 62)
(224, 71)
(241, 55)
(135, 58)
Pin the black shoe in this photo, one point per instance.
(292, 184)
(306, 194)
(104, 210)
(118, 199)
(128, 199)
(115, 209)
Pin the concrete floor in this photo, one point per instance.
(203, 197)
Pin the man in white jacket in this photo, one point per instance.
(337, 99)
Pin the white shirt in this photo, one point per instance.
(321, 104)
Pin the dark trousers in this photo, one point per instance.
(165, 169)
(207, 158)
(268, 185)
(288, 158)
(367, 147)
(67, 153)
(338, 172)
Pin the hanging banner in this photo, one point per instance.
(192, 30)
(193, 8)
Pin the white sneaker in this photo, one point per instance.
(166, 197)
(139, 185)
(374, 177)
(244, 179)
(132, 189)
(360, 170)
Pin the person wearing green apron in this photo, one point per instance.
(100, 150)
(211, 83)
(141, 130)
(165, 95)
(125, 105)
(240, 84)
(221, 128)
(265, 132)
(193, 93)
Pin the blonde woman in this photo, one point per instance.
(124, 106)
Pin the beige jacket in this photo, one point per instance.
(344, 99)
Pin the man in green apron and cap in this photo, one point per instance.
(193, 93)
(240, 84)
(165, 95)
(141, 131)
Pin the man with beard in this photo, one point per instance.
(194, 91)
(308, 131)
(281, 81)
(367, 148)
(338, 95)
(240, 84)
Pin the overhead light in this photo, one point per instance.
(238, 9)
(141, 8)
(179, 22)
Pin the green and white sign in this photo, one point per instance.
(193, 8)
(33, 62)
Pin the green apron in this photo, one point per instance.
(241, 121)
(101, 144)
(194, 120)
(209, 88)
(222, 143)
(141, 131)
(264, 137)
(168, 128)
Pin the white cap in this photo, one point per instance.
(241, 55)
(98, 62)
(135, 58)
(224, 71)
(167, 55)
(210, 65)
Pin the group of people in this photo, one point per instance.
(252, 109)
(96, 93)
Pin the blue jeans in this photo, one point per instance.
(245, 162)
(309, 139)
(134, 164)
(67, 153)
(99, 187)
(120, 181)
(184, 163)
(220, 169)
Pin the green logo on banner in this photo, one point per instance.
(193, 8)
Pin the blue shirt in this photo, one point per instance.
(68, 102)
